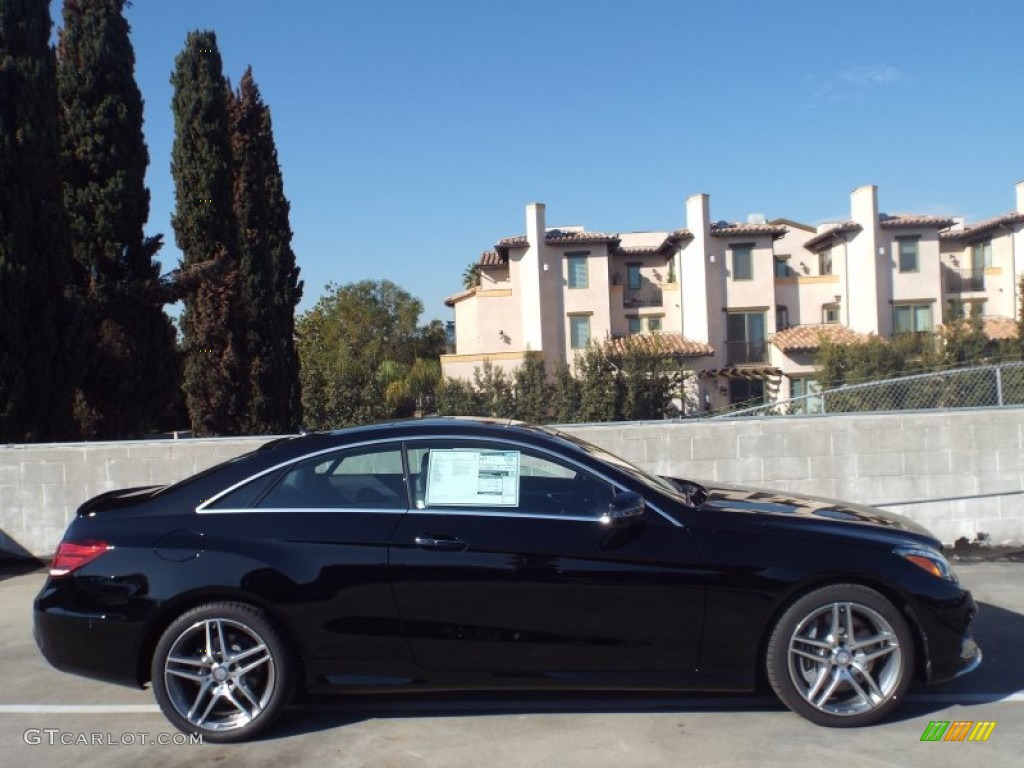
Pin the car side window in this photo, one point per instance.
(370, 477)
(499, 477)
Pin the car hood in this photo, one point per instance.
(790, 505)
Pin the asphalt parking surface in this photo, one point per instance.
(40, 708)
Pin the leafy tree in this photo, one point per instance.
(360, 349)
(270, 288)
(532, 390)
(130, 376)
(650, 381)
(456, 397)
(600, 386)
(494, 388)
(38, 324)
(566, 395)
(213, 321)
(471, 276)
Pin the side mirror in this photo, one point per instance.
(625, 508)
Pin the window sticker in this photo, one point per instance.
(461, 477)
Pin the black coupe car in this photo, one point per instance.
(462, 554)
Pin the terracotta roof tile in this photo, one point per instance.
(733, 229)
(825, 237)
(910, 220)
(492, 259)
(1001, 328)
(450, 301)
(982, 227)
(556, 237)
(995, 328)
(681, 234)
(667, 344)
(806, 338)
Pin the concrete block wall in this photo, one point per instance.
(41, 486)
(960, 473)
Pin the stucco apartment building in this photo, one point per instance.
(742, 305)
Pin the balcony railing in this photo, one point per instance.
(960, 280)
(744, 352)
(642, 298)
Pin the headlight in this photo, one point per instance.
(929, 560)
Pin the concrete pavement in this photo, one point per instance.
(40, 707)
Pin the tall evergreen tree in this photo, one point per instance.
(270, 285)
(130, 377)
(37, 310)
(213, 319)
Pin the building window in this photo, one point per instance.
(578, 277)
(908, 254)
(810, 392)
(981, 255)
(633, 277)
(742, 262)
(635, 325)
(782, 266)
(961, 310)
(830, 313)
(781, 318)
(912, 318)
(579, 331)
(745, 338)
(653, 324)
(747, 392)
(825, 262)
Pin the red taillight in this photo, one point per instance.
(72, 555)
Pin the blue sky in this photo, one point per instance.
(413, 132)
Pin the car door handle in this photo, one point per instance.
(442, 541)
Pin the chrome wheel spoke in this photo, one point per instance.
(252, 665)
(876, 692)
(229, 696)
(868, 641)
(193, 676)
(829, 690)
(220, 640)
(814, 657)
(204, 689)
(857, 687)
(822, 675)
(813, 643)
(884, 651)
(244, 688)
(242, 655)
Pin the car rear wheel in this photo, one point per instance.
(222, 670)
(841, 656)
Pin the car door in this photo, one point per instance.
(504, 565)
(310, 538)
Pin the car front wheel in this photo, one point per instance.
(222, 670)
(841, 656)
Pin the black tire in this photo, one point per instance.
(829, 678)
(228, 689)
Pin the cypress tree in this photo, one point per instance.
(37, 310)
(213, 320)
(130, 379)
(270, 288)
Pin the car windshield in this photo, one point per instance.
(660, 484)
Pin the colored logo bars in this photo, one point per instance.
(958, 730)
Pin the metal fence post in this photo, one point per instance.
(999, 385)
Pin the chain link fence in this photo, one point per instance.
(981, 386)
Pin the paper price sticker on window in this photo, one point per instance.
(460, 477)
